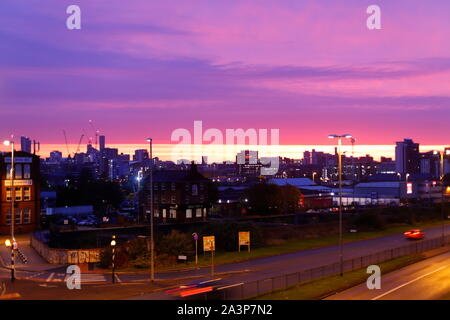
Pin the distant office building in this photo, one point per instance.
(140, 155)
(25, 144)
(102, 143)
(26, 192)
(407, 157)
(307, 157)
(247, 163)
(55, 156)
(447, 160)
(430, 164)
(318, 158)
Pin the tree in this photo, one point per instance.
(86, 190)
(266, 198)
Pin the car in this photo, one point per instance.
(414, 234)
(195, 288)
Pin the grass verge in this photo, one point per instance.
(320, 288)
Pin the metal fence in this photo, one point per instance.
(269, 285)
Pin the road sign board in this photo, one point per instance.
(209, 243)
(244, 238)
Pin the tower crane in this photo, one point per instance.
(96, 133)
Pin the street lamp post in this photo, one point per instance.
(195, 235)
(341, 245)
(13, 195)
(139, 178)
(445, 152)
(152, 243)
(113, 246)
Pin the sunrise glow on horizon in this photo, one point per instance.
(166, 152)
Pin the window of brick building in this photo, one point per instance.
(26, 216)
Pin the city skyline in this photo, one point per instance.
(163, 151)
(296, 66)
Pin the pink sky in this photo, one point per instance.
(146, 68)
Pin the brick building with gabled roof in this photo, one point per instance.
(179, 196)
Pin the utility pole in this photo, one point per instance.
(152, 242)
(13, 216)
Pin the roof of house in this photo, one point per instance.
(177, 175)
(296, 182)
(383, 184)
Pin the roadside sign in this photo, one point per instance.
(209, 243)
(195, 235)
(244, 239)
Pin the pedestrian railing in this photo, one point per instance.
(270, 285)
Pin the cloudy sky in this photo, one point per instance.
(147, 67)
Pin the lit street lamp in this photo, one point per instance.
(152, 244)
(13, 195)
(113, 246)
(341, 247)
(139, 178)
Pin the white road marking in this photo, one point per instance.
(92, 277)
(409, 282)
(50, 277)
(230, 286)
(117, 278)
(210, 280)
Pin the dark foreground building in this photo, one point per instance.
(180, 196)
(27, 192)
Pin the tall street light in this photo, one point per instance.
(152, 243)
(442, 154)
(341, 245)
(13, 195)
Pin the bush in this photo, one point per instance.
(175, 243)
(121, 258)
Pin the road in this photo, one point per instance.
(245, 271)
(426, 280)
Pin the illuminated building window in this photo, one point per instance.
(8, 194)
(18, 193)
(26, 193)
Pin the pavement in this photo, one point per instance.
(426, 280)
(34, 261)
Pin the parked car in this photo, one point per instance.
(414, 234)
